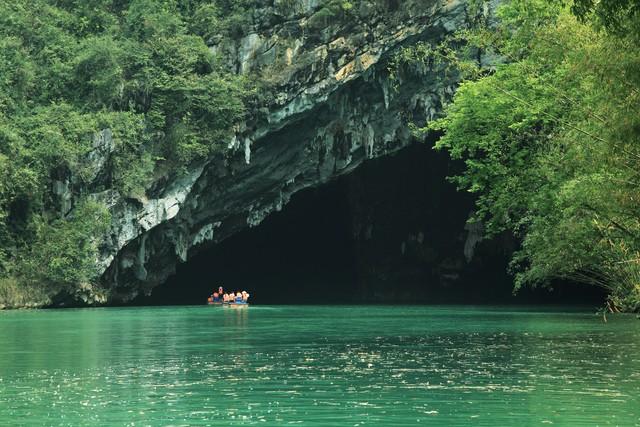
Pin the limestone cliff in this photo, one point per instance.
(328, 105)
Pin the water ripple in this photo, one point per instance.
(318, 366)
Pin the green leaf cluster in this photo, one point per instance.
(64, 250)
(330, 12)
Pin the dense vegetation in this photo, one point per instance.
(71, 68)
(550, 137)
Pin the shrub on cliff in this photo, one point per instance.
(63, 252)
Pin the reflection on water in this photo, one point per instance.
(318, 365)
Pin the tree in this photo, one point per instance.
(550, 139)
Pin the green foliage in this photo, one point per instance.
(148, 19)
(138, 71)
(346, 5)
(99, 72)
(206, 21)
(65, 250)
(17, 74)
(220, 18)
(551, 143)
(331, 11)
(617, 16)
(92, 17)
(14, 293)
(286, 7)
(132, 161)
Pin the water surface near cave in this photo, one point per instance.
(319, 365)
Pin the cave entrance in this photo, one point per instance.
(293, 256)
(392, 231)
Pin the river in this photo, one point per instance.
(319, 365)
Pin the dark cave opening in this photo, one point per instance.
(295, 255)
(392, 231)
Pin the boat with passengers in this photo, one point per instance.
(235, 300)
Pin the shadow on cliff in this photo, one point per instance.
(393, 231)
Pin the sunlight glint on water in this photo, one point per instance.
(318, 366)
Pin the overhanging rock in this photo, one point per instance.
(333, 107)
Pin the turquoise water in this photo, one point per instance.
(318, 365)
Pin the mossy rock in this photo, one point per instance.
(20, 295)
(333, 12)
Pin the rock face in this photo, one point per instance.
(331, 106)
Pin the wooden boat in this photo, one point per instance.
(228, 304)
(233, 304)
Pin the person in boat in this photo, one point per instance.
(216, 297)
(245, 296)
(220, 291)
(238, 298)
(225, 297)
